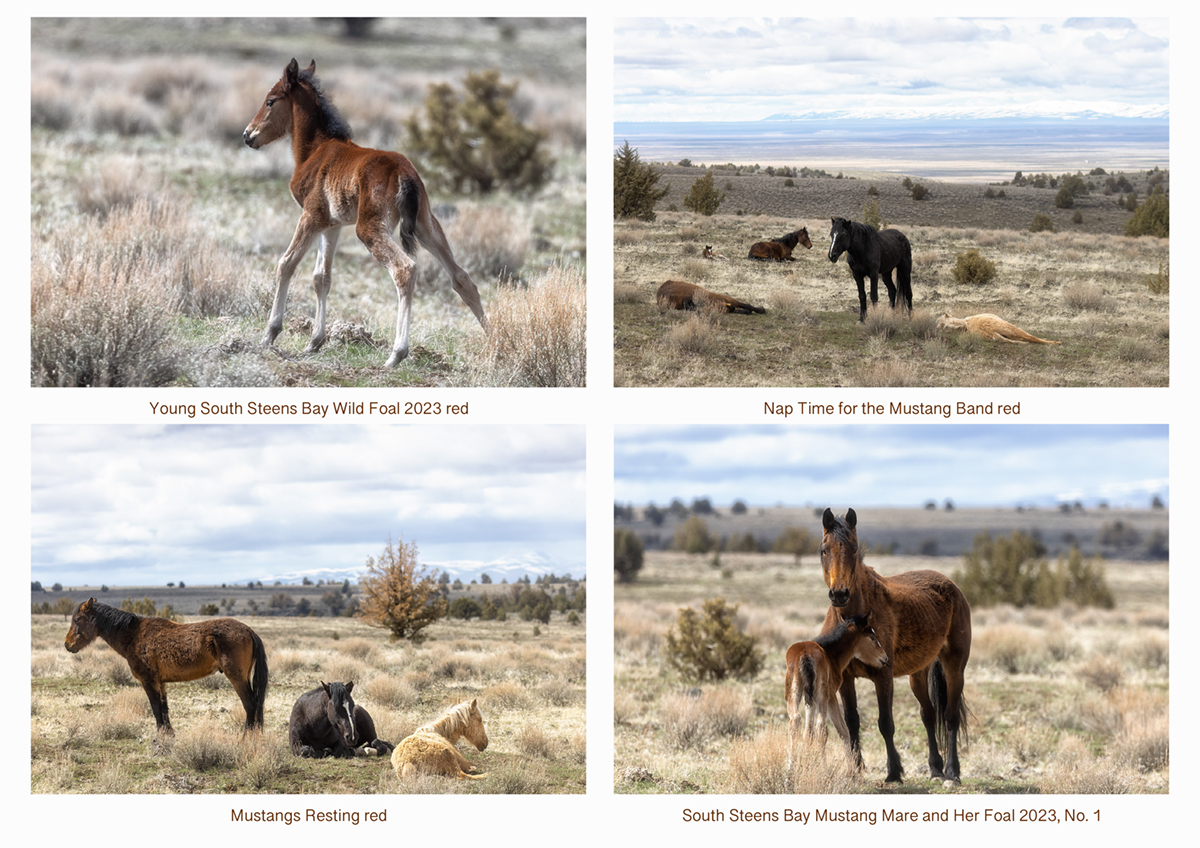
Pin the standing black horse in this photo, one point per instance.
(872, 253)
(327, 723)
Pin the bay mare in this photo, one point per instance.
(923, 622)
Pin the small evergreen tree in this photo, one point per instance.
(712, 647)
(1152, 218)
(628, 555)
(634, 192)
(400, 594)
(693, 537)
(704, 198)
(1042, 223)
(475, 140)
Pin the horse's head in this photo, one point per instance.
(867, 646)
(802, 237)
(274, 118)
(474, 731)
(840, 558)
(83, 628)
(339, 709)
(839, 238)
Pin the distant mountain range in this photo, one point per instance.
(1033, 111)
(533, 563)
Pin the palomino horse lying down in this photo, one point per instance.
(430, 750)
(990, 327)
(814, 676)
(337, 183)
(780, 249)
(674, 294)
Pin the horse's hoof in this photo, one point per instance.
(950, 784)
(396, 358)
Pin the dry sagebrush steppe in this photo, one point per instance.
(92, 732)
(155, 231)
(1065, 701)
(1085, 285)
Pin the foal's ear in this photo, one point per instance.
(312, 68)
(828, 521)
(292, 72)
(349, 686)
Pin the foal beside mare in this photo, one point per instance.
(814, 676)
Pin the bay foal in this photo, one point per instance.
(814, 676)
(337, 183)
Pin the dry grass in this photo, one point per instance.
(1072, 695)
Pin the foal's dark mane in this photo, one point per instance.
(111, 620)
(332, 122)
(828, 640)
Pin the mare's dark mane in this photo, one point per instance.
(111, 620)
(332, 122)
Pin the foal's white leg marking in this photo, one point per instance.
(301, 241)
(322, 280)
(429, 234)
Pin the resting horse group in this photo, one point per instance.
(920, 621)
(325, 722)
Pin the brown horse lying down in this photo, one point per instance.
(990, 327)
(780, 249)
(674, 294)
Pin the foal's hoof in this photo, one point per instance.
(396, 358)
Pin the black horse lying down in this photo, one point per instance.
(327, 723)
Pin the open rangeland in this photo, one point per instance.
(92, 732)
(1103, 294)
(155, 230)
(1065, 701)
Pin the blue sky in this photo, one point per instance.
(731, 69)
(892, 465)
(145, 505)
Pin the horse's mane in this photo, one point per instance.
(454, 719)
(332, 122)
(827, 640)
(110, 619)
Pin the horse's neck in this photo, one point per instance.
(446, 726)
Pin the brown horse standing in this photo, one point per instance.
(923, 621)
(160, 651)
(337, 183)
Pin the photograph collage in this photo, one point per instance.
(870, 360)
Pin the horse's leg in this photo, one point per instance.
(919, 682)
(302, 239)
(157, 693)
(953, 666)
(839, 724)
(891, 289)
(375, 233)
(859, 278)
(850, 711)
(887, 727)
(322, 280)
(429, 234)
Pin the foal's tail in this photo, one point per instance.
(258, 682)
(808, 678)
(408, 204)
(942, 717)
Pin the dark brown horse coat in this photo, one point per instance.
(674, 294)
(923, 621)
(160, 651)
(780, 249)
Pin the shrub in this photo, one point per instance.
(399, 593)
(989, 192)
(473, 139)
(1013, 571)
(703, 198)
(693, 537)
(1064, 199)
(1159, 283)
(871, 216)
(464, 608)
(209, 609)
(628, 555)
(712, 647)
(919, 191)
(796, 541)
(1077, 218)
(1042, 223)
(973, 267)
(1151, 219)
(634, 192)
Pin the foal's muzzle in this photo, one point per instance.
(248, 137)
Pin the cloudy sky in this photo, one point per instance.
(124, 505)
(715, 69)
(897, 465)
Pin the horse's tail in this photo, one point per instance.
(938, 695)
(808, 678)
(408, 204)
(258, 682)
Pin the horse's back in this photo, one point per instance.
(895, 250)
